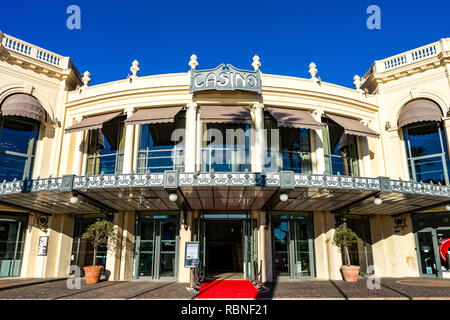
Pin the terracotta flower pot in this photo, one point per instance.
(92, 273)
(350, 273)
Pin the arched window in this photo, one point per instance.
(19, 130)
(426, 144)
(106, 147)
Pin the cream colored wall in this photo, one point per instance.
(184, 274)
(57, 261)
(394, 254)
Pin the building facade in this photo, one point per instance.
(260, 169)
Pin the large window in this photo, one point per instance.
(226, 147)
(426, 148)
(161, 147)
(287, 149)
(341, 154)
(18, 138)
(105, 148)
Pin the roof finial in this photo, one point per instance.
(86, 78)
(357, 82)
(256, 63)
(193, 62)
(313, 71)
(134, 69)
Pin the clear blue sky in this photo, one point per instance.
(287, 35)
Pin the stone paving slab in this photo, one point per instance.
(390, 288)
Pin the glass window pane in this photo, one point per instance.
(106, 164)
(430, 169)
(424, 139)
(17, 135)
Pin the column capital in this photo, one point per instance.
(193, 106)
(129, 111)
(318, 113)
(365, 122)
(256, 107)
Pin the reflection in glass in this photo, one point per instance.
(226, 147)
(12, 228)
(360, 252)
(281, 246)
(427, 152)
(341, 154)
(18, 138)
(157, 149)
(106, 147)
(168, 246)
(287, 148)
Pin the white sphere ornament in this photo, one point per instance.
(377, 201)
(173, 197)
(447, 207)
(73, 200)
(284, 197)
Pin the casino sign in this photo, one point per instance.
(225, 78)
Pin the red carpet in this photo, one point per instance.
(225, 289)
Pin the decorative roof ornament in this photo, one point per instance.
(134, 69)
(193, 62)
(313, 71)
(357, 82)
(86, 78)
(256, 63)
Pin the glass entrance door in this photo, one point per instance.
(156, 247)
(293, 246)
(250, 249)
(11, 244)
(427, 253)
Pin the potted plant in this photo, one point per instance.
(343, 238)
(100, 233)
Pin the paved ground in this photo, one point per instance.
(390, 288)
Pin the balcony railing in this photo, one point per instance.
(296, 161)
(160, 160)
(225, 159)
(33, 51)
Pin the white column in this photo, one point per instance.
(366, 156)
(78, 155)
(190, 137)
(320, 157)
(259, 143)
(128, 150)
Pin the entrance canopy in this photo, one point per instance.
(352, 126)
(91, 123)
(222, 191)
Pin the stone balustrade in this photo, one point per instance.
(35, 52)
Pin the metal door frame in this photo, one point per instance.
(253, 235)
(156, 249)
(292, 247)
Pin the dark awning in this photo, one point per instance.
(94, 122)
(23, 105)
(153, 115)
(225, 114)
(352, 126)
(293, 118)
(419, 110)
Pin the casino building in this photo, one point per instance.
(260, 169)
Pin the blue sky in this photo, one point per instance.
(287, 35)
